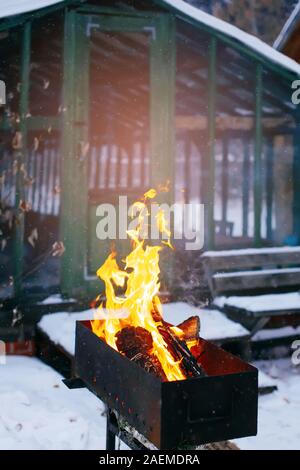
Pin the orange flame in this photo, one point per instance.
(140, 280)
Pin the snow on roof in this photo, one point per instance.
(15, 7)
(287, 29)
(223, 27)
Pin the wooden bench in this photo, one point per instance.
(253, 285)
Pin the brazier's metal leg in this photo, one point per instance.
(110, 434)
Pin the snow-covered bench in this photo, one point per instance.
(58, 329)
(215, 326)
(253, 285)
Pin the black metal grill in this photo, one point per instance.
(220, 406)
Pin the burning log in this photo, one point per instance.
(136, 344)
(181, 352)
(177, 346)
(190, 328)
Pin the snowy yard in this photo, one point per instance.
(38, 412)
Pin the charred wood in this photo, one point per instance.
(136, 343)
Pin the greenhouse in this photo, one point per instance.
(199, 104)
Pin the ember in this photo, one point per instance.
(142, 335)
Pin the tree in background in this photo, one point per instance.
(263, 18)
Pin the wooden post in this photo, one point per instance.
(21, 157)
(73, 219)
(162, 102)
(162, 119)
(257, 156)
(211, 141)
(269, 185)
(225, 180)
(67, 150)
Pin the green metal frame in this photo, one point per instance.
(211, 140)
(21, 157)
(258, 156)
(74, 129)
(269, 164)
(74, 206)
(246, 187)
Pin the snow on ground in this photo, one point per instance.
(279, 412)
(38, 412)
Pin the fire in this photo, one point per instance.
(141, 284)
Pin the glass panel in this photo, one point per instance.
(234, 149)
(119, 160)
(234, 204)
(191, 113)
(46, 66)
(42, 165)
(42, 196)
(277, 219)
(191, 162)
(9, 117)
(278, 190)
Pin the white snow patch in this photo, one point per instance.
(284, 332)
(252, 251)
(257, 273)
(264, 380)
(55, 299)
(262, 303)
(279, 412)
(39, 412)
